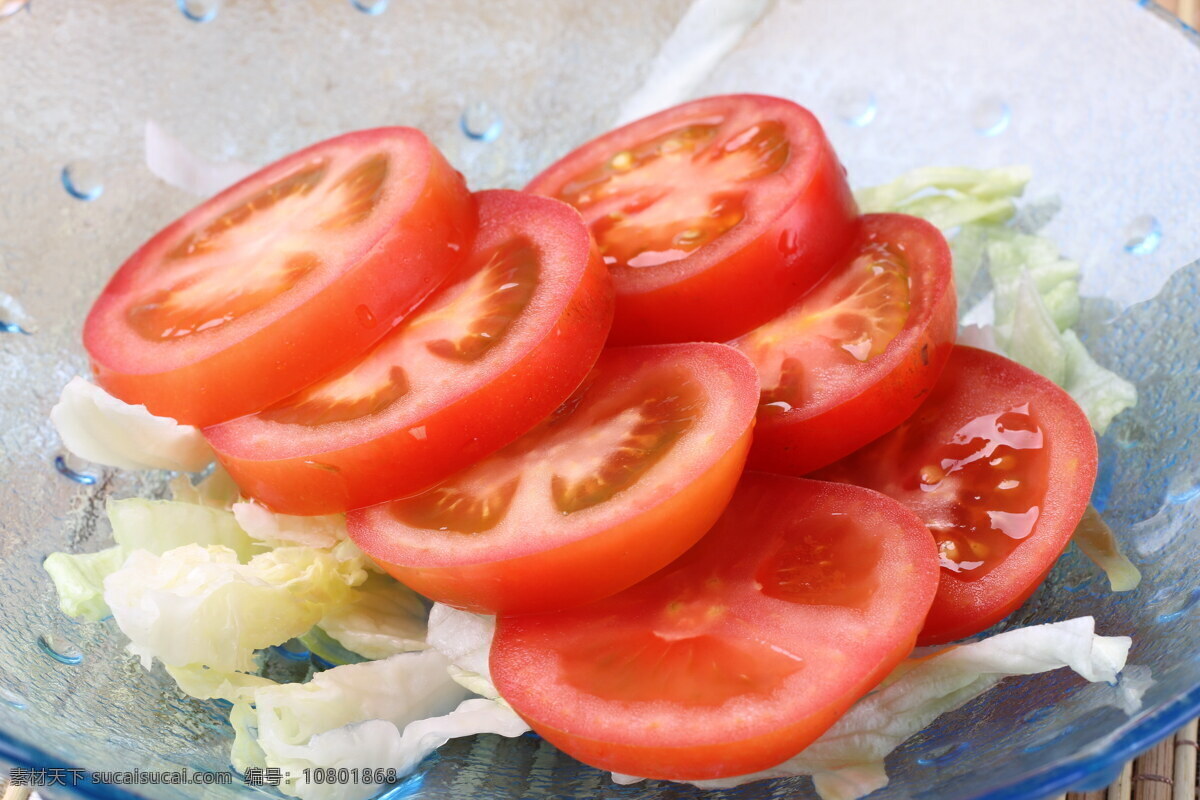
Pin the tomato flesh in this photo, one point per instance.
(480, 363)
(276, 281)
(712, 216)
(854, 357)
(732, 659)
(625, 476)
(1000, 464)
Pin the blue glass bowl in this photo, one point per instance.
(1097, 96)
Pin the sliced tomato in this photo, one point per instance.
(274, 282)
(741, 653)
(713, 216)
(1000, 464)
(854, 357)
(483, 361)
(622, 479)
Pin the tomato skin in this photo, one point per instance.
(301, 346)
(745, 287)
(706, 738)
(801, 441)
(360, 473)
(574, 573)
(977, 382)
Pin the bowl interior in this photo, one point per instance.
(503, 89)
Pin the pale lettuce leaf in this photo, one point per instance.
(381, 618)
(1100, 392)
(848, 761)
(216, 489)
(79, 580)
(466, 640)
(1034, 299)
(389, 713)
(99, 428)
(281, 529)
(1096, 540)
(155, 526)
(198, 605)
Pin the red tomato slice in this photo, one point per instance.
(479, 364)
(856, 355)
(622, 479)
(713, 216)
(274, 282)
(1000, 464)
(741, 653)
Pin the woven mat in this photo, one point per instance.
(1166, 771)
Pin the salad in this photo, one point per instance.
(673, 457)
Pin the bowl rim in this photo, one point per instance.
(1095, 767)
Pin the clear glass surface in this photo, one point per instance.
(504, 88)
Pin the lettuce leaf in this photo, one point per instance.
(79, 580)
(216, 489)
(466, 640)
(381, 618)
(198, 605)
(284, 529)
(389, 713)
(99, 428)
(154, 526)
(847, 762)
(1035, 291)
(1096, 541)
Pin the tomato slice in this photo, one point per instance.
(623, 478)
(475, 367)
(277, 280)
(713, 216)
(733, 659)
(1000, 464)
(854, 357)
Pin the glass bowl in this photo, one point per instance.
(1097, 96)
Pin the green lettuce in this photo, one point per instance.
(154, 526)
(195, 605)
(1034, 299)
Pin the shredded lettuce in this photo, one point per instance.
(1096, 540)
(381, 618)
(1035, 291)
(154, 526)
(216, 489)
(466, 640)
(79, 580)
(99, 428)
(848, 761)
(200, 605)
(280, 529)
(388, 713)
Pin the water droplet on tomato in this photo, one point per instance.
(991, 116)
(365, 316)
(322, 466)
(481, 122)
(72, 468)
(199, 10)
(371, 7)
(60, 648)
(82, 181)
(1143, 235)
(10, 7)
(857, 107)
